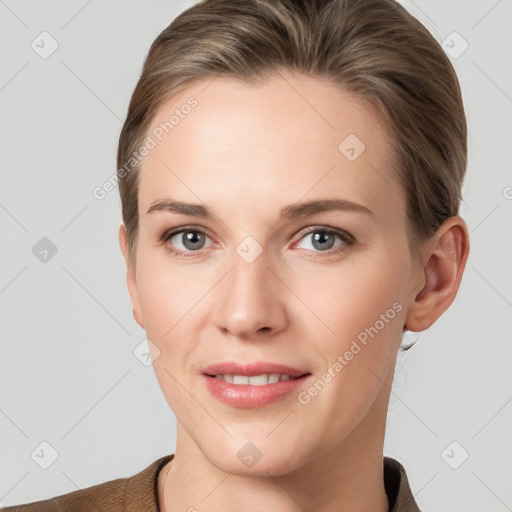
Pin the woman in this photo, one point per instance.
(290, 174)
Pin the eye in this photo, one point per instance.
(186, 240)
(325, 240)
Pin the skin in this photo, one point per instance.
(246, 151)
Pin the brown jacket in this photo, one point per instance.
(139, 493)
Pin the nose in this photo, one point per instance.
(251, 300)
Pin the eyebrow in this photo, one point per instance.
(296, 210)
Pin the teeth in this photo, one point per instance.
(240, 379)
(273, 378)
(256, 380)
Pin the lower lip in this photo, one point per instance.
(251, 397)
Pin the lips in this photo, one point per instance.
(253, 369)
(252, 385)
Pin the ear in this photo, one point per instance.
(131, 278)
(444, 258)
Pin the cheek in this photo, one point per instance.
(170, 304)
(167, 293)
(352, 298)
(175, 304)
(364, 310)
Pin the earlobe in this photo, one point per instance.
(445, 259)
(131, 278)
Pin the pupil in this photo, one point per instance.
(320, 238)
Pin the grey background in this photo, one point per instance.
(69, 376)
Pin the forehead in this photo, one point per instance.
(268, 143)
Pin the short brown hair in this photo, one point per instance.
(372, 48)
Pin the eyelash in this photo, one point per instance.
(345, 237)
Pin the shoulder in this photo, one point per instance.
(136, 493)
(105, 496)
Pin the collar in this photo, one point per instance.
(141, 492)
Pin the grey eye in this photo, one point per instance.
(321, 240)
(190, 240)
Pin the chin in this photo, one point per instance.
(255, 459)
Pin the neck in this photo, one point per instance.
(346, 477)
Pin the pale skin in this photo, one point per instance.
(245, 152)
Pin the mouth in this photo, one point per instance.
(255, 380)
(252, 385)
(257, 370)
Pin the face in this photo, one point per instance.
(294, 263)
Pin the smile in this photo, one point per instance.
(255, 380)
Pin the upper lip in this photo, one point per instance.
(252, 369)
